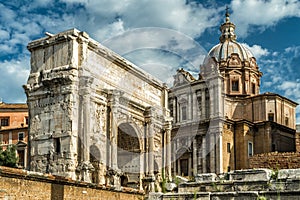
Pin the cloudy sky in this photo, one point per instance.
(159, 36)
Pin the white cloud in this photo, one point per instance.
(14, 74)
(191, 19)
(261, 13)
(157, 48)
(257, 50)
(4, 35)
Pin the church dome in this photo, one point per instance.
(224, 50)
(228, 44)
(233, 62)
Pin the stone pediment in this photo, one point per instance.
(235, 72)
(234, 60)
(183, 77)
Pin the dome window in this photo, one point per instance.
(235, 85)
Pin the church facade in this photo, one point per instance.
(221, 119)
(96, 117)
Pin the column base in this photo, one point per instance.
(113, 176)
(85, 168)
(149, 183)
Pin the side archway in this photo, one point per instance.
(129, 152)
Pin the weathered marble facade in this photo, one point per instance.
(94, 115)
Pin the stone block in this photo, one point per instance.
(205, 177)
(234, 195)
(251, 185)
(292, 185)
(184, 196)
(250, 175)
(285, 174)
(155, 196)
(171, 186)
(181, 179)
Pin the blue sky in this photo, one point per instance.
(270, 28)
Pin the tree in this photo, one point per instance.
(8, 157)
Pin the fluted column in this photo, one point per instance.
(168, 146)
(114, 137)
(84, 135)
(151, 147)
(203, 104)
(149, 158)
(204, 169)
(194, 157)
(113, 172)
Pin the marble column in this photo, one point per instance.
(151, 147)
(212, 153)
(219, 154)
(114, 172)
(203, 104)
(150, 178)
(194, 157)
(85, 166)
(204, 169)
(168, 150)
(114, 137)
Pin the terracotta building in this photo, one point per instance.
(221, 119)
(14, 129)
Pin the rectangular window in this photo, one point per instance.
(286, 121)
(235, 85)
(57, 146)
(4, 121)
(26, 120)
(250, 149)
(253, 88)
(228, 148)
(199, 100)
(183, 113)
(20, 136)
(271, 117)
(207, 103)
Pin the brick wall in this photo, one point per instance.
(275, 160)
(21, 184)
(297, 141)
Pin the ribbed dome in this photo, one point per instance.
(222, 51)
(228, 44)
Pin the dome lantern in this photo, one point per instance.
(227, 29)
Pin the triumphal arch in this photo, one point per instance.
(94, 116)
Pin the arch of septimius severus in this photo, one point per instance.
(95, 116)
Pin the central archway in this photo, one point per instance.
(129, 150)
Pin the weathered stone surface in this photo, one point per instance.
(184, 196)
(171, 186)
(155, 196)
(250, 175)
(205, 177)
(88, 105)
(234, 195)
(284, 174)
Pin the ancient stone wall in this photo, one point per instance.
(251, 184)
(275, 160)
(20, 184)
